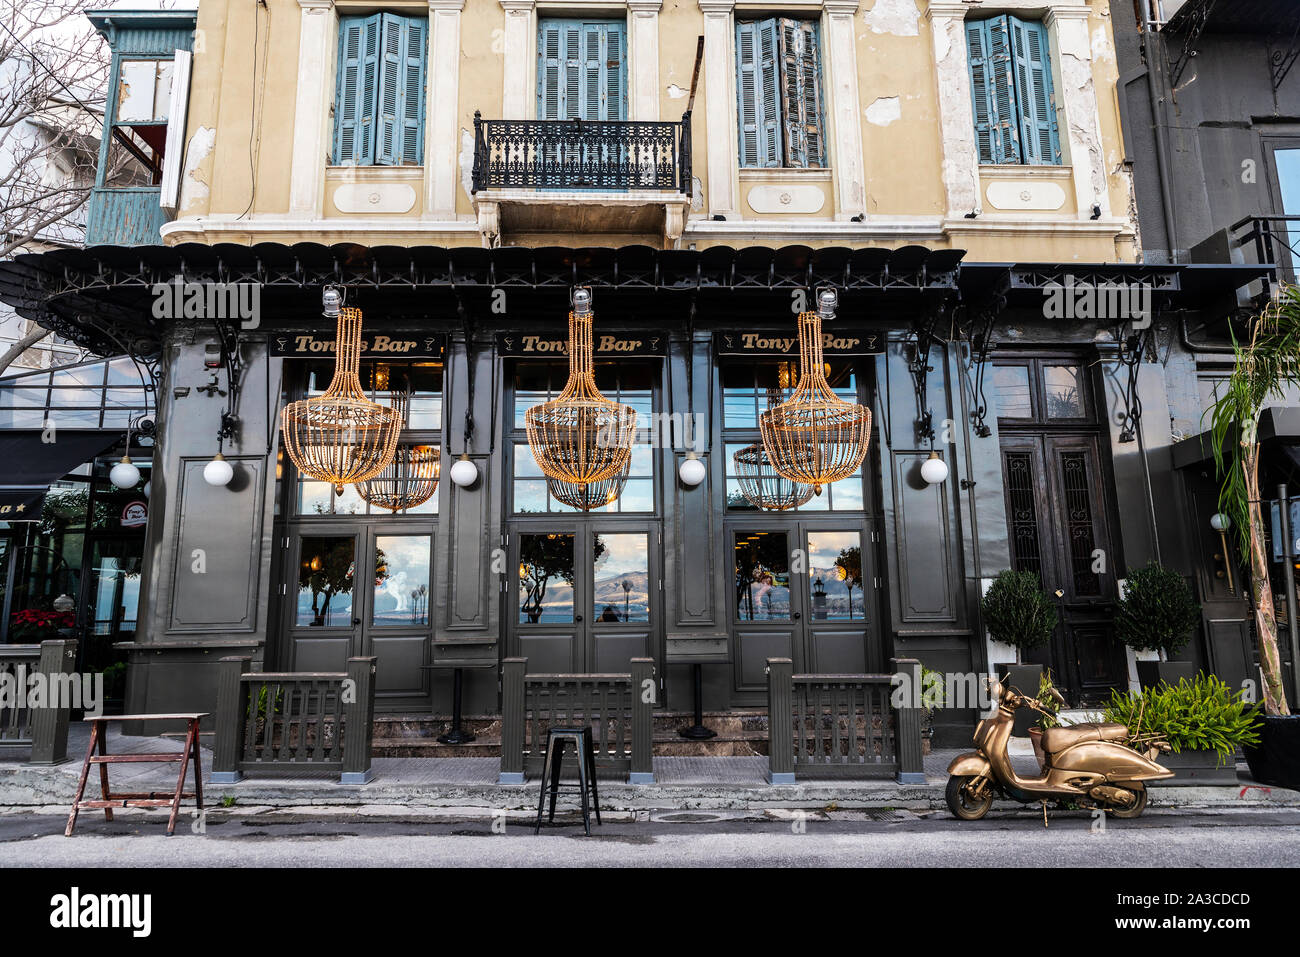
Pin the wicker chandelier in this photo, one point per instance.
(815, 437)
(763, 486)
(581, 437)
(411, 478)
(592, 495)
(341, 436)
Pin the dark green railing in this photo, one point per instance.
(43, 729)
(294, 724)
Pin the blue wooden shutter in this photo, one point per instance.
(581, 70)
(981, 86)
(801, 100)
(1036, 107)
(354, 106)
(550, 70)
(1002, 71)
(390, 90)
(615, 72)
(758, 90)
(413, 92)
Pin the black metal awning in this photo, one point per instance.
(34, 458)
(102, 297)
(1279, 426)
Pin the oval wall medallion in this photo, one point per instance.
(374, 198)
(786, 198)
(1018, 194)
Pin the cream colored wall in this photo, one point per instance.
(899, 113)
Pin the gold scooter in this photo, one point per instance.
(1087, 764)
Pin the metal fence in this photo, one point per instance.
(840, 726)
(618, 707)
(294, 723)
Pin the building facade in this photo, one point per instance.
(957, 172)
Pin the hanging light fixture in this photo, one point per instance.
(124, 474)
(591, 495)
(815, 437)
(934, 469)
(581, 437)
(341, 436)
(412, 477)
(763, 486)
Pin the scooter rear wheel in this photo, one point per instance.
(962, 803)
(1136, 808)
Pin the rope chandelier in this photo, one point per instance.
(341, 436)
(763, 486)
(581, 437)
(815, 437)
(411, 478)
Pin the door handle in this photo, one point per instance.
(356, 621)
(577, 618)
(795, 616)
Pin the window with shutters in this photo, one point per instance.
(1011, 86)
(581, 72)
(379, 107)
(779, 88)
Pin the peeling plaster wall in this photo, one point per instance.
(897, 17)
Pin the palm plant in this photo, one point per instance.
(1266, 365)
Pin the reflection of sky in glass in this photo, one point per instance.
(530, 493)
(407, 560)
(762, 576)
(842, 598)
(1012, 384)
(624, 559)
(547, 573)
(109, 576)
(335, 609)
(1062, 386)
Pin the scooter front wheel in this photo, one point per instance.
(963, 802)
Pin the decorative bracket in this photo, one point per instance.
(1282, 59)
(977, 333)
(918, 365)
(1198, 16)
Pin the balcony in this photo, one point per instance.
(628, 179)
(126, 216)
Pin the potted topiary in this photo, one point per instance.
(1203, 720)
(1017, 612)
(1157, 613)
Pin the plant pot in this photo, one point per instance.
(1025, 678)
(1036, 739)
(1276, 759)
(1196, 768)
(1152, 673)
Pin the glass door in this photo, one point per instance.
(585, 595)
(363, 592)
(804, 591)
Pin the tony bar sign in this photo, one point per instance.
(374, 345)
(837, 342)
(604, 343)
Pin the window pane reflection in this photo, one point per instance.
(401, 580)
(1012, 383)
(326, 576)
(762, 565)
(1062, 388)
(835, 576)
(546, 571)
(621, 577)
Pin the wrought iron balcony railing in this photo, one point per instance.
(582, 154)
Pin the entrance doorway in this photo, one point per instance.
(804, 591)
(361, 591)
(586, 594)
(1059, 516)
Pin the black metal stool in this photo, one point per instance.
(557, 740)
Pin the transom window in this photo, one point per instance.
(629, 383)
(749, 388)
(423, 379)
(1042, 391)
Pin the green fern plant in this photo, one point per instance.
(1202, 714)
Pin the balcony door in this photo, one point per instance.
(581, 75)
(586, 593)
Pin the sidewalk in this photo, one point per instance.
(738, 783)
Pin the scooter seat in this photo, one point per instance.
(1056, 740)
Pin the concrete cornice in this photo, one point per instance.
(716, 6)
(443, 6)
(316, 4)
(644, 6)
(1051, 9)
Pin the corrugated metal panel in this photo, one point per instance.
(124, 217)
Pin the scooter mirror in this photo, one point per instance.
(995, 690)
(1060, 700)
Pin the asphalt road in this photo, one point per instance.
(1247, 838)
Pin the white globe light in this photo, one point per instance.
(218, 472)
(934, 469)
(692, 472)
(464, 473)
(148, 487)
(124, 474)
(1220, 522)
